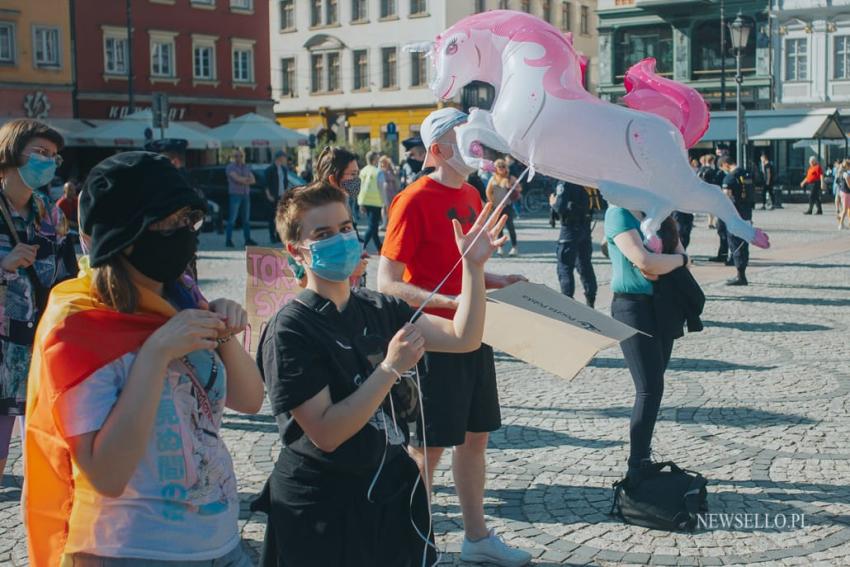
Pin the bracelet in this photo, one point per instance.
(223, 340)
(386, 367)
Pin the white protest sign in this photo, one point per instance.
(547, 329)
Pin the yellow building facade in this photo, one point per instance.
(36, 59)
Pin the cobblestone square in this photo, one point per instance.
(759, 403)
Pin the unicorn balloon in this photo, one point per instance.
(542, 115)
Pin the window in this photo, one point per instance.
(331, 14)
(388, 9)
(204, 2)
(418, 69)
(525, 6)
(115, 51)
(635, 44)
(361, 70)
(317, 72)
(547, 11)
(287, 15)
(162, 55)
(418, 7)
(315, 13)
(242, 4)
(479, 6)
(707, 54)
(841, 50)
(46, 46)
(566, 17)
(7, 42)
(796, 59)
(243, 62)
(389, 67)
(333, 72)
(287, 78)
(504, 5)
(584, 21)
(203, 59)
(358, 11)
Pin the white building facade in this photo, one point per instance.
(340, 71)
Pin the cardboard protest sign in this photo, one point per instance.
(271, 285)
(548, 329)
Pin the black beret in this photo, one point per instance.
(412, 142)
(126, 193)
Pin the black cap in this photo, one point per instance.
(126, 193)
(412, 142)
(175, 145)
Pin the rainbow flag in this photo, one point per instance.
(77, 335)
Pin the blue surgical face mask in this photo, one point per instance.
(335, 258)
(38, 171)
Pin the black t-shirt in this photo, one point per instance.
(309, 345)
(572, 203)
(740, 183)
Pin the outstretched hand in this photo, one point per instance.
(479, 250)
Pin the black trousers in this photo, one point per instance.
(686, 225)
(373, 230)
(575, 249)
(768, 191)
(647, 358)
(723, 249)
(510, 213)
(814, 197)
(740, 252)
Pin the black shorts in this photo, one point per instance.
(459, 394)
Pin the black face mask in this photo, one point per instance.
(415, 165)
(164, 258)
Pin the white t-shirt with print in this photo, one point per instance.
(181, 502)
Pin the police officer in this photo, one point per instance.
(411, 168)
(571, 203)
(738, 186)
(710, 173)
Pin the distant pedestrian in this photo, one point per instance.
(239, 181)
(813, 182)
(844, 194)
(571, 204)
(738, 186)
(768, 178)
(307, 173)
(370, 201)
(414, 157)
(277, 183)
(68, 203)
(500, 183)
(388, 182)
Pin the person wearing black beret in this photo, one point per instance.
(131, 376)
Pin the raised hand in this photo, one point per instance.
(234, 315)
(479, 250)
(188, 331)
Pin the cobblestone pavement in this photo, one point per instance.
(759, 403)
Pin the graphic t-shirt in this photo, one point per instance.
(625, 277)
(420, 234)
(181, 503)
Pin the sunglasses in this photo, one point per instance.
(193, 219)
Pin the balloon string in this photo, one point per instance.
(495, 212)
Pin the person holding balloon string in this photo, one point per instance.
(344, 491)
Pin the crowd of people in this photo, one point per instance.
(120, 369)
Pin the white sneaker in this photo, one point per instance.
(500, 252)
(492, 549)
(514, 251)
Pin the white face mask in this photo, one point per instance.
(456, 161)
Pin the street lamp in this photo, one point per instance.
(739, 31)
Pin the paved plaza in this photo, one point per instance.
(759, 403)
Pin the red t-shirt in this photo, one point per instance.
(420, 234)
(68, 207)
(814, 174)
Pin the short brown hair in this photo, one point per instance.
(16, 134)
(296, 202)
(332, 161)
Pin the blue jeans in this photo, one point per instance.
(372, 233)
(235, 204)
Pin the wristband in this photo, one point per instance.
(386, 367)
(223, 340)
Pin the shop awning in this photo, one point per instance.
(255, 131)
(785, 124)
(130, 133)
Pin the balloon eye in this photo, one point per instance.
(452, 48)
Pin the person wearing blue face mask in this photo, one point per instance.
(344, 491)
(33, 256)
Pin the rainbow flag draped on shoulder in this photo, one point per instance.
(77, 335)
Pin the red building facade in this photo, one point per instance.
(210, 56)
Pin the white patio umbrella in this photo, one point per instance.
(255, 131)
(130, 133)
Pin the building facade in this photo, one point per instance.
(210, 56)
(339, 68)
(36, 61)
(811, 43)
(684, 37)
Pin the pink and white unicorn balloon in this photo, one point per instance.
(543, 116)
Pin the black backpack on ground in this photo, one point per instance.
(661, 499)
